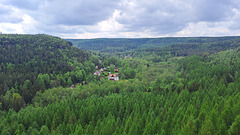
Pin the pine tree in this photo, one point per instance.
(235, 127)
(17, 101)
(40, 82)
(133, 129)
(79, 130)
(207, 128)
(190, 128)
(44, 130)
(69, 81)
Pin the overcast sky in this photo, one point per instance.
(121, 18)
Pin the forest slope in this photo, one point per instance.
(32, 62)
(117, 45)
(202, 98)
(177, 89)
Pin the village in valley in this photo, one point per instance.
(110, 72)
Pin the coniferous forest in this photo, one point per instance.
(167, 86)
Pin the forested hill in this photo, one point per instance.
(126, 44)
(32, 62)
(195, 95)
(187, 87)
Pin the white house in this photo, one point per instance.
(113, 77)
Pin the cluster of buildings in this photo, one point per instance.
(105, 72)
(102, 72)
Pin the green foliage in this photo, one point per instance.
(158, 93)
(37, 62)
(178, 45)
(112, 69)
(235, 127)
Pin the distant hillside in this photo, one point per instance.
(126, 44)
(34, 62)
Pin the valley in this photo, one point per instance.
(182, 85)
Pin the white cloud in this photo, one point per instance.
(27, 25)
(203, 29)
(110, 25)
(121, 18)
(72, 12)
(10, 14)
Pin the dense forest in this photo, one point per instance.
(116, 45)
(179, 88)
(36, 62)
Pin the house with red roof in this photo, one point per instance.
(113, 77)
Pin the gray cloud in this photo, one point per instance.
(7, 15)
(72, 12)
(66, 12)
(234, 23)
(172, 16)
(54, 29)
(213, 10)
(26, 4)
(4, 10)
(160, 17)
(7, 19)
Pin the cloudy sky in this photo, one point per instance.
(121, 18)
